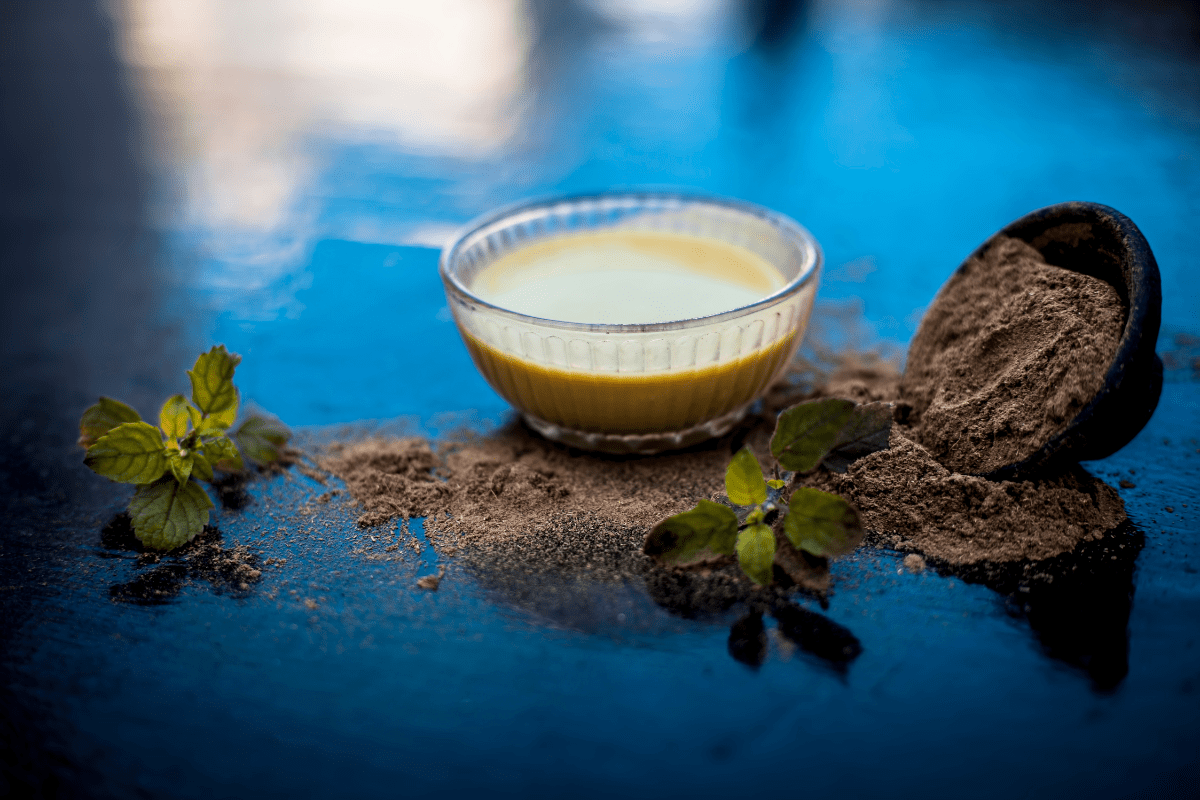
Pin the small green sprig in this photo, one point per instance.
(831, 432)
(192, 441)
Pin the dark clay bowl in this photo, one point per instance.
(1116, 253)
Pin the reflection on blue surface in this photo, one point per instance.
(901, 135)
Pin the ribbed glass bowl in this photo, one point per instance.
(634, 388)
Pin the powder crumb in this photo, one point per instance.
(431, 582)
(1008, 333)
(914, 563)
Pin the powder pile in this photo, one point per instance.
(511, 504)
(912, 502)
(1010, 351)
(391, 478)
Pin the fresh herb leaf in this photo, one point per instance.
(102, 418)
(132, 452)
(704, 532)
(262, 439)
(776, 484)
(212, 387)
(219, 452)
(744, 479)
(180, 465)
(756, 552)
(822, 523)
(201, 468)
(805, 433)
(167, 514)
(174, 417)
(220, 421)
(866, 432)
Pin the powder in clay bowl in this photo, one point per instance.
(1011, 350)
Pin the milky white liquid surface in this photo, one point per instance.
(624, 278)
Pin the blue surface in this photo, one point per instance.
(901, 140)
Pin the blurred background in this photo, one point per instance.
(183, 161)
(278, 175)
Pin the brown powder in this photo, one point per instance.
(514, 507)
(1011, 350)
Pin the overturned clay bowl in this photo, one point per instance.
(1100, 242)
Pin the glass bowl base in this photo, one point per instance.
(637, 443)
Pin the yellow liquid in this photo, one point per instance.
(593, 277)
(629, 402)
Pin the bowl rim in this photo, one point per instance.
(789, 228)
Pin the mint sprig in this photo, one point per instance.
(832, 432)
(169, 507)
(102, 418)
(828, 432)
(167, 514)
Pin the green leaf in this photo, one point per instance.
(756, 552)
(180, 465)
(704, 532)
(805, 433)
(174, 417)
(102, 418)
(822, 523)
(777, 484)
(201, 468)
(167, 514)
(220, 420)
(212, 385)
(132, 452)
(219, 452)
(744, 479)
(866, 432)
(262, 439)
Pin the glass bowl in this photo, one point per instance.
(634, 388)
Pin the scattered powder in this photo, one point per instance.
(1010, 351)
(513, 507)
(233, 569)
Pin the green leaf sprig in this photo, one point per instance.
(832, 432)
(192, 441)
